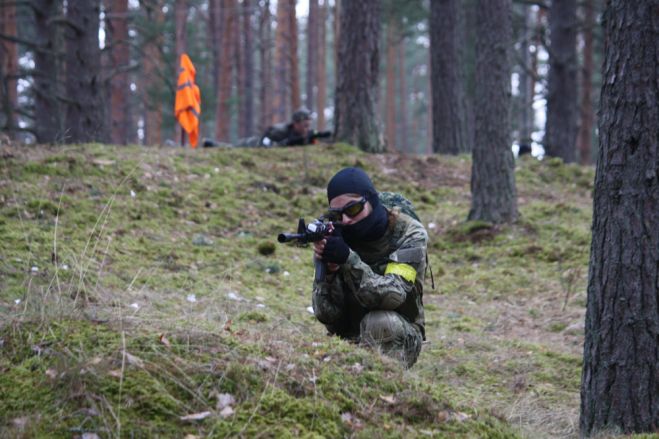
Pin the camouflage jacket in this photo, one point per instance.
(386, 274)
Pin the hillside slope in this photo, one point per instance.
(142, 293)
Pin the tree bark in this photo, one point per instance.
(151, 73)
(248, 93)
(48, 114)
(281, 108)
(620, 376)
(239, 67)
(313, 30)
(8, 68)
(117, 36)
(390, 91)
(357, 76)
(223, 111)
(265, 60)
(321, 70)
(180, 44)
(494, 197)
(402, 89)
(85, 116)
(585, 143)
(448, 94)
(525, 91)
(293, 58)
(562, 113)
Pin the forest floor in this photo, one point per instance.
(142, 293)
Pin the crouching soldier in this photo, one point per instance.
(373, 287)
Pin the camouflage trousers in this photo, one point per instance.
(394, 336)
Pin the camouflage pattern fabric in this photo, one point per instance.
(362, 303)
(393, 199)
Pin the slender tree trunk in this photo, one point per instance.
(321, 70)
(620, 375)
(312, 53)
(525, 91)
(265, 57)
(239, 67)
(48, 119)
(180, 46)
(493, 190)
(292, 55)
(562, 112)
(223, 112)
(8, 68)
(355, 115)
(151, 79)
(282, 67)
(248, 94)
(390, 91)
(402, 119)
(117, 36)
(586, 111)
(449, 111)
(85, 116)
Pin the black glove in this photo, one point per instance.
(336, 250)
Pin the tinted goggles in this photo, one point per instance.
(352, 209)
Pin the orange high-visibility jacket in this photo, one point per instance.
(188, 100)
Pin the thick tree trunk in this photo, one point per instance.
(357, 77)
(390, 91)
(448, 95)
(292, 56)
(493, 191)
(248, 92)
(321, 70)
(562, 112)
(586, 112)
(152, 69)
(620, 378)
(402, 89)
(265, 60)
(8, 68)
(117, 35)
(48, 120)
(85, 116)
(239, 68)
(313, 30)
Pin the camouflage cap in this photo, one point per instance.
(301, 114)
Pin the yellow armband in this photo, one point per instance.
(405, 271)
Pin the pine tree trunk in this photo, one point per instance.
(180, 43)
(151, 68)
(321, 70)
(562, 112)
(312, 53)
(281, 109)
(493, 191)
(223, 111)
(239, 67)
(85, 116)
(525, 91)
(292, 56)
(265, 60)
(449, 112)
(357, 76)
(117, 35)
(390, 91)
(248, 93)
(8, 68)
(620, 377)
(402, 119)
(586, 111)
(48, 115)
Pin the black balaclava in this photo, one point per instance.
(355, 181)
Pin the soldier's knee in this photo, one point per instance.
(380, 327)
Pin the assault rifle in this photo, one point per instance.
(313, 232)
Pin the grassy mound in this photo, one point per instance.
(141, 295)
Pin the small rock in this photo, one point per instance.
(200, 239)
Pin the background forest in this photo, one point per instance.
(257, 61)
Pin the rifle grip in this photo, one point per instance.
(321, 268)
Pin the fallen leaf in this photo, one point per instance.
(191, 436)
(388, 399)
(51, 373)
(195, 416)
(115, 373)
(89, 435)
(133, 360)
(443, 416)
(103, 162)
(226, 412)
(461, 417)
(164, 340)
